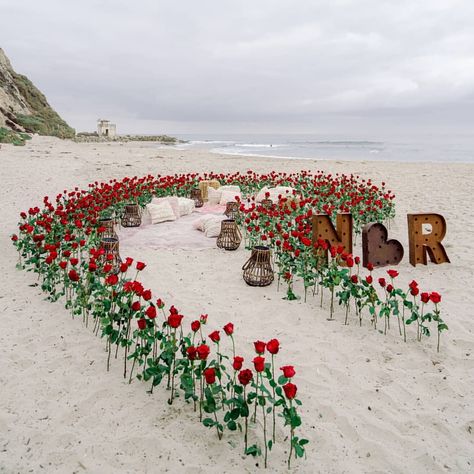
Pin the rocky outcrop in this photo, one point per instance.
(24, 108)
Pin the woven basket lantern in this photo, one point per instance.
(109, 224)
(232, 209)
(230, 236)
(196, 196)
(111, 247)
(267, 203)
(258, 269)
(132, 216)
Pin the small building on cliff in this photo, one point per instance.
(106, 129)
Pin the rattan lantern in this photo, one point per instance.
(258, 269)
(111, 247)
(109, 224)
(230, 236)
(267, 203)
(132, 215)
(196, 196)
(232, 209)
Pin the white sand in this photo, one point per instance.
(370, 403)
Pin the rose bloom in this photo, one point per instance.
(173, 310)
(413, 284)
(238, 361)
(369, 279)
(215, 336)
(259, 347)
(191, 352)
(140, 266)
(290, 390)
(389, 288)
(229, 329)
(382, 282)
(354, 278)
(142, 323)
(73, 275)
(151, 312)
(210, 375)
(111, 279)
(203, 318)
(414, 291)
(288, 371)
(245, 376)
(203, 351)
(435, 297)
(174, 320)
(195, 325)
(370, 267)
(425, 297)
(123, 267)
(350, 262)
(160, 303)
(259, 363)
(146, 295)
(273, 346)
(392, 273)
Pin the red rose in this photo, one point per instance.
(195, 325)
(245, 376)
(111, 279)
(259, 347)
(74, 261)
(229, 329)
(136, 306)
(203, 318)
(146, 295)
(354, 278)
(288, 371)
(238, 361)
(215, 336)
(425, 297)
(191, 352)
(92, 266)
(290, 390)
(140, 266)
(259, 363)
(389, 288)
(435, 297)
(151, 312)
(73, 275)
(63, 265)
(203, 351)
(357, 260)
(129, 261)
(382, 282)
(370, 267)
(369, 279)
(174, 320)
(350, 262)
(273, 346)
(210, 375)
(160, 303)
(392, 273)
(413, 284)
(414, 291)
(107, 268)
(142, 323)
(173, 310)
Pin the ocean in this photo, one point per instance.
(438, 148)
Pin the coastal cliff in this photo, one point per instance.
(24, 109)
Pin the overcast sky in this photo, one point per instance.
(361, 67)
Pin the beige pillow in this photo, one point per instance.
(161, 212)
(174, 203)
(212, 226)
(213, 196)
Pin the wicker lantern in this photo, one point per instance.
(230, 236)
(267, 203)
(232, 209)
(258, 269)
(111, 247)
(132, 216)
(196, 196)
(108, 223)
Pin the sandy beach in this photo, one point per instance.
(371, 403)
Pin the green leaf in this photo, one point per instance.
(232, 425)
(209, 422)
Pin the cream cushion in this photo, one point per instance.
(212, 227)
(213, 196)
(160, 212)
(174, 203)
(186, 206)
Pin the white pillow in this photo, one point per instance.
(161, 212)
(186, 206)
(174, 203)
(213, 196)
(212, 226)
(198, 224)
(227, 196)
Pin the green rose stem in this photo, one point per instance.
(420, 322)
(256, 397)
(385, 315)
(193, 375)
(292, 431)
(273, 390)
(264, 421)
(201, 395)
(127, 333)
(439, 322)
(173, 364)
(246, 429)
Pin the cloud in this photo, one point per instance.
(246, 66)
